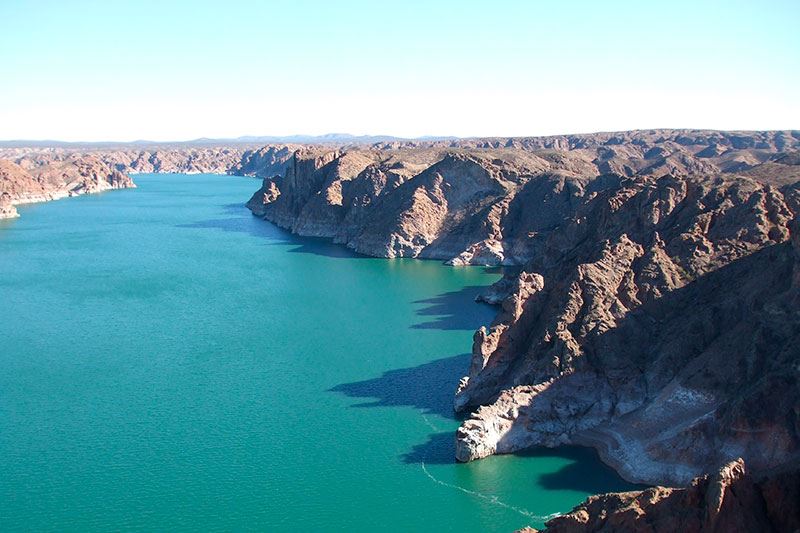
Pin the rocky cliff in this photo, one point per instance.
(654, 326)
(35, 174)
(728, 501)
(655, 313)
(237, 159)
(266, 161)
(484, 202)
(43, 179)
(7, 209)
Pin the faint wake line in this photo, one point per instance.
(430, 424)
(493, 499)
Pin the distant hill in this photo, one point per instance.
(328, 138)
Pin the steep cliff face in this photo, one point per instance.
(728, 501)
(653, 326)
(43, 179)
(484, 202)
(265, 162)
(655, 313)
(465, 207)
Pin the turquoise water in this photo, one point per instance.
(171, 362)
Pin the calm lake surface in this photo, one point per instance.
(169, 361)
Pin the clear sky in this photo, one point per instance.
(172, 70)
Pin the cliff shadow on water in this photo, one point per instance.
(427, 387)
(454, 310)
(460, 310)
(584, 471)
(581, 469)
(243, 221)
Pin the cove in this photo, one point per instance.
(171, 362)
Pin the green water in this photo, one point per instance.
(169, 361)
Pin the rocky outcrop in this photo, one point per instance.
(655, 312)
(468, 208)
(45, 179)
(265, 162)
(483, 201)
(729, 501)
(193, 160)
(7, 209)
(662, 318)
(236, 159)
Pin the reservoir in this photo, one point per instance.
(170, 362)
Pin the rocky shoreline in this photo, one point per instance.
(731, 500)
(655, 311)
(45, 180)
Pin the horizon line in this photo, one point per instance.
(334, 137)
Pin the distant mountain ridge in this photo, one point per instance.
(327, 138)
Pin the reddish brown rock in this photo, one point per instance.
(655, 313)
(729, 501)
(47, 178)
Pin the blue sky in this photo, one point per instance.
(168, 70)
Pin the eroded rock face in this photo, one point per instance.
(656, 310)
(728, 501)
(45, 179)
(484, 201)
(239, 160)
(667, 318)
(264, 162)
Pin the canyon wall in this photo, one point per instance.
(40, 174)
(42, 180)
(130, 159)
(656, 310)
